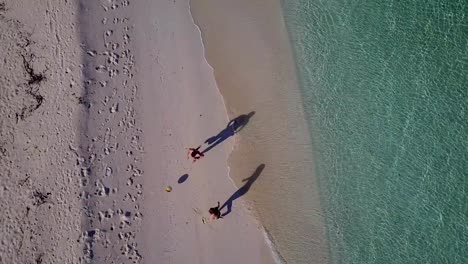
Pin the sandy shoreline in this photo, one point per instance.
(247, 44)
(181, 74)
(102, 100)
(126, 90)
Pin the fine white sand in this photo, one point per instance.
(87, 151)
(40, 79)
(183, 108)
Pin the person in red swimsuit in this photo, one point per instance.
(195, 153)
(215, 213)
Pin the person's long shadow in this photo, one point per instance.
(234, 126)
(242, 190)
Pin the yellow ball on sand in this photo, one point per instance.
(168, 189)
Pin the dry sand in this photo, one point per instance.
(111, 139)
(182, 109)
(99, 100)
(39, 111)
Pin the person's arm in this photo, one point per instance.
(188, 153)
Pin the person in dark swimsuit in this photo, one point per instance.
(195, 153)
(215, 213)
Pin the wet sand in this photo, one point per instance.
(246, 43)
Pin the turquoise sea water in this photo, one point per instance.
(385, 87)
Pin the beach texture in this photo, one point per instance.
(40, 107)
(177, 77)
(99, 103)
(247, 44)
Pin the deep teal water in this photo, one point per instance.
(385, 87)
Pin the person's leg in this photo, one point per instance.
(188, 153)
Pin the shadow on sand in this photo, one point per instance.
(242, 190)
(234, 126)
(183, 178)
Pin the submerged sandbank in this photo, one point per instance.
(246, 43)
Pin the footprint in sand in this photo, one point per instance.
(197, 211)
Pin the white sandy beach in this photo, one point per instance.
(88, 149)
(176, 75)
(39, 112)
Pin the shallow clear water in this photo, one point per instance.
(385, 88)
